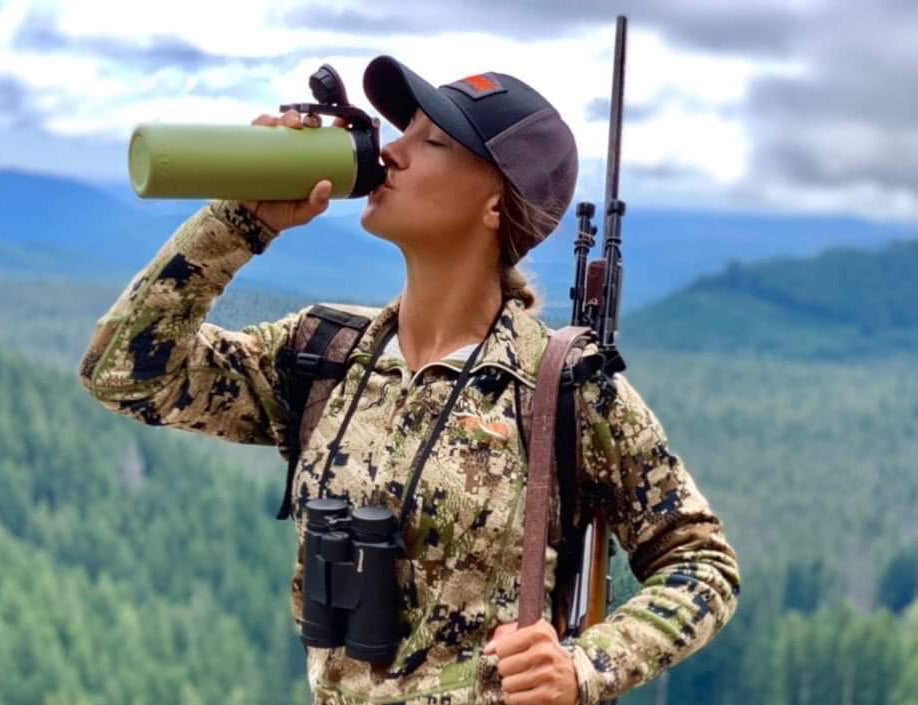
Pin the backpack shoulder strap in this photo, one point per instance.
(312, 365)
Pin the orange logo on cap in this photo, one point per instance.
(481, 83)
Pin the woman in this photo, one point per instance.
(483, 172)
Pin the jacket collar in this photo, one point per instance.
(515, 344)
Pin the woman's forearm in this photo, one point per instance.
(676, 545)
(152, 356)
(690, 595)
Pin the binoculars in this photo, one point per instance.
(350, 594)
(256, 163)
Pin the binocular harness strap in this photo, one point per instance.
(424, 451)
(420, 458)
(335, 444)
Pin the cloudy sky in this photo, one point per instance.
(793, 105)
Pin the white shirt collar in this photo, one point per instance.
(460, 355)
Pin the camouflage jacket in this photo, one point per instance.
(153, 358)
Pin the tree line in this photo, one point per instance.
(139, 565)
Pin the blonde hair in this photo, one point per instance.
(523, 225)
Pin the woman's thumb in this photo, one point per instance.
(320, 193)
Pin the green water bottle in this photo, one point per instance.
(256, 163)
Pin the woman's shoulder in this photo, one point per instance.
(615, 406)
(292, 321)
(370, 312)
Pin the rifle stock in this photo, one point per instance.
(598, 600)
(581, 599)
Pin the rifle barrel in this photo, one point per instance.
(617, 109)
(615, 208)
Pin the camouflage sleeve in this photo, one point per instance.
(676, 546)
(152, 356)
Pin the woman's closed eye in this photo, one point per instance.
(438, 144)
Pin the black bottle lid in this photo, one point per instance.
(318, 510)
(372, 524)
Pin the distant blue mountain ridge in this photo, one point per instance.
(102, 232)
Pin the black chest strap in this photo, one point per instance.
(305, 361)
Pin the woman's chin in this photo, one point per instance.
(368, 216)
(372, 223)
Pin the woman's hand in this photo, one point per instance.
(534, 668)
(280, 215)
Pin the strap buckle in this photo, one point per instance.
(308, 364)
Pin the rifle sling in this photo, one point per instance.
(541, 468)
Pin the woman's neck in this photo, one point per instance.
(444, 306)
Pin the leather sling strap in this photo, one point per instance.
(541, 469)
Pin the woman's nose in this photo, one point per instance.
(388, 155)
(395, 153)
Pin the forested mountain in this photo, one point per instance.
(50, 319)
(134, 566)
(140, 568)
(844, 303)
(840, 305)
(144, 565)
(78, 230)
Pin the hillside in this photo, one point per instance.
(83, 231)
(136, 566)
(736, 407)
(143, 565)
(841, 305)
(845, 303)
(773, 366)
(50, 319)
(140, 567)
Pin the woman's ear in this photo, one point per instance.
(492, 212)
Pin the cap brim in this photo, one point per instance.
(397, 92)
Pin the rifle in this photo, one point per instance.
(596, 293)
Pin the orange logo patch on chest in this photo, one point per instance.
(478, 429)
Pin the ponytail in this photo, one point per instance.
(522, 225)
(514, 285)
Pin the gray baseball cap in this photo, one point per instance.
(496, 116)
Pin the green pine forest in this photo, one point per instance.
(144, 566)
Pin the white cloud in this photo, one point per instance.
(704, 142)
(209, 24)
(120, 121)
(864, 198)
(693, 102)
(12, 15)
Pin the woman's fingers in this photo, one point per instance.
(280, 215)
(265, 119)
(292, 119)
(308, 208)
(316, 202)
